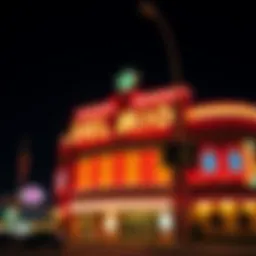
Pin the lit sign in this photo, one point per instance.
(221, 110)
(95, 111)
(160, 117)
(90, 131)
(161, 96)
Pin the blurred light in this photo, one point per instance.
(11, 217)
(203, 208)
(166, 222)
(221, 110)
(32, 195)
(127, 80)
(250, 206)
(227, 206)
(23, 229)
(111, 223)
(252, 182)
(250, 143)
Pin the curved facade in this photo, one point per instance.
(112, 183)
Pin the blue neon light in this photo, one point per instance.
(209, 162)
(235, 161)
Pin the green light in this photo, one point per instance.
(126, 80)
(11, 217)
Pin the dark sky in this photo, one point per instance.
(56, 55)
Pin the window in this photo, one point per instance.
(127, 122)
(235, 160)
(209, 161)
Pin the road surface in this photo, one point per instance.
(118, 251)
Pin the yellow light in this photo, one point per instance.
(83, 178)
(203, 208)
(250, 206)
(227, 206)
(221, 110)
(132, 168)
(106, 171)
(126, 122)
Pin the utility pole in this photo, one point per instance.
(151, 12)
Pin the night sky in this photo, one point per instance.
(57, 55)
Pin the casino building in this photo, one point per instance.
(112, 184)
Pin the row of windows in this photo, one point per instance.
(209, 161)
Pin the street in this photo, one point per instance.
(127, 251)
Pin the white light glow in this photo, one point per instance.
(166, 222)
(111, 223)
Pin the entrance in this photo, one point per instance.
(223, 221)
(139, 227)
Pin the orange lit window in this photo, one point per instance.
(83, 177)
(131, 169)
(127, 122)
(106, 171)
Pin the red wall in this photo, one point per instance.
(222, 173)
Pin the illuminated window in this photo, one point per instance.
(166, 115)
(127, 122)
(235, 160)
(209, 161)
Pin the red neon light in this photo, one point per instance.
(222, 175)
(118, 170)
(96, 111)
(166, 95)
(147, 161)
(95, 165)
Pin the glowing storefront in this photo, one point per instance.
(222, 182)
(111, 182)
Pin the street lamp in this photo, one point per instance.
(150, 11)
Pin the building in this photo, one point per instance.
(112, 184)
(222, 188)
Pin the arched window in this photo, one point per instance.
(209, 161)
(235, 161)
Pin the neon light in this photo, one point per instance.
(127, 80)
(106, 171)
(95, 111)
(32, 195)
(155, 119)
(83, 175)
(132, 169)
(160, 96)
(221, 110)
(208, 160)
(235, 161)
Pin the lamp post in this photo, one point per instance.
(150, 11)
